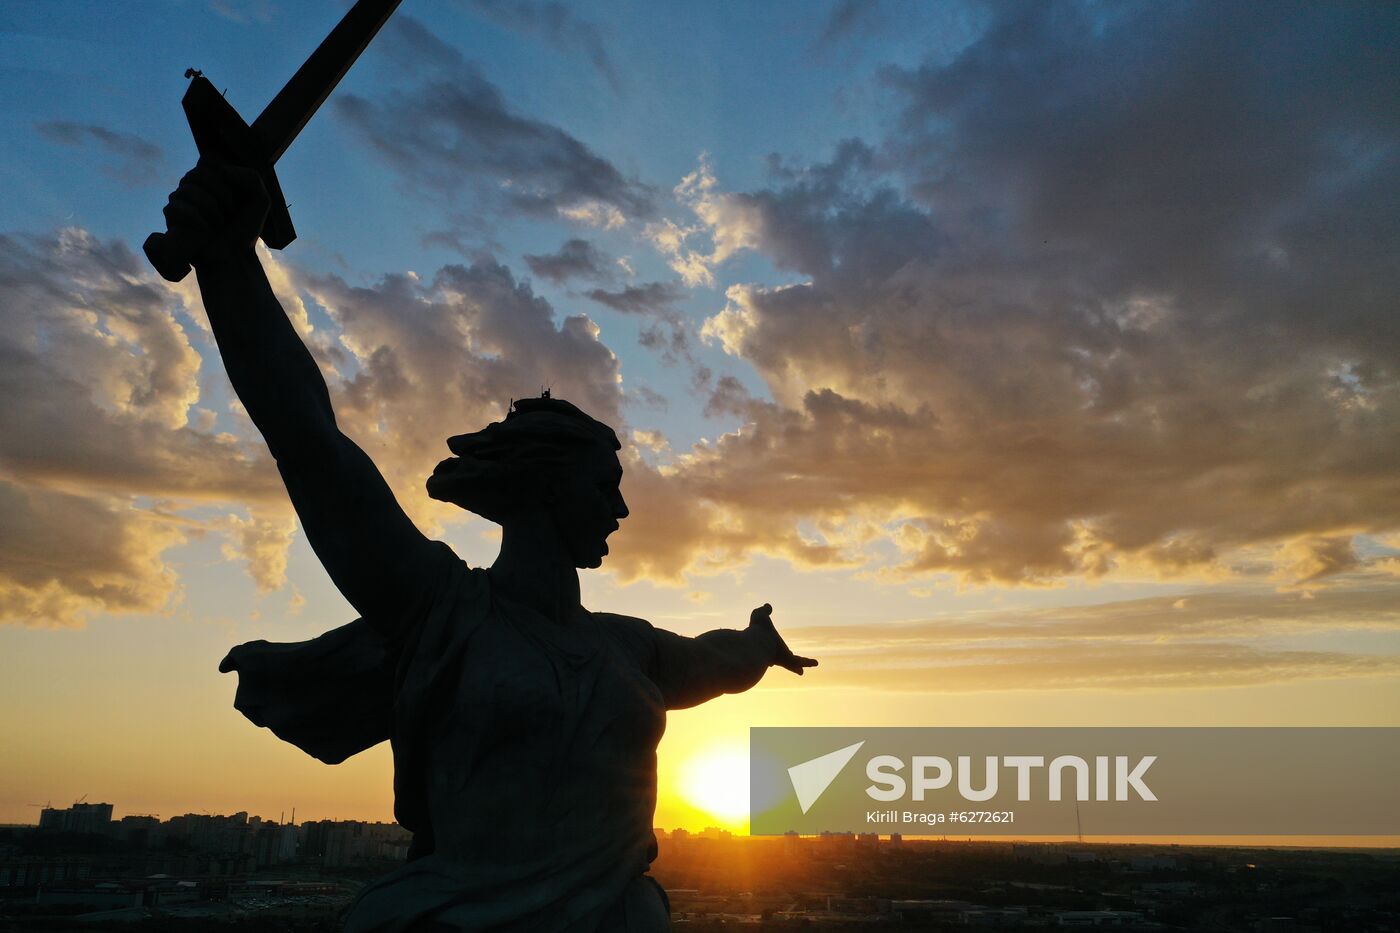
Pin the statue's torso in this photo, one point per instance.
(535, 748)
(552, 734)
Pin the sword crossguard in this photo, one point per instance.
(219, 133)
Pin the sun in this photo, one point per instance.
(716, 780)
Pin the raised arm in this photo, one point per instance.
(691, 671)
(370, 548)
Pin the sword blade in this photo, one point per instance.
(283, 118)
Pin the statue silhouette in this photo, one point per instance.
(524, 727)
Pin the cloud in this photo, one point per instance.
(138, 159)
(1214, 639)
(244, 11)
(1066, 128)
(109, 456)
(795, 227)
(1079, 667)
(453, 132)
(1238, 615)
(101, 379)
(595, 214)
(261, 541)
(652, 440)
(849, 18)
(726, 220)
(643, 396)
(558, 26)
(100, 435)
(1085, 312)
(1309, 560)
(428, 358)
(653, 299)
(575, 259)
(667, 333)
(65, 555)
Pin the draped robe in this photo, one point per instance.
(524, 749)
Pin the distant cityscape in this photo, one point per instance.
(81, 868)
(232, 844)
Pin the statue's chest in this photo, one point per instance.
(543, 737)
(559, 700)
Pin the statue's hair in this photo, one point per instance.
(501, 468)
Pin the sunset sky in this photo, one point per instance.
(1039, 363)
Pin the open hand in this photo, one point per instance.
(763, 617)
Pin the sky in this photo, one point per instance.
(1036, 362)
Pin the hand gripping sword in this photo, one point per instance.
(220, 133)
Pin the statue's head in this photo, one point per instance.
(547, 458)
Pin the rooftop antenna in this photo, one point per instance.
(1077, 824)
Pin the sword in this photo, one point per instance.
(220, 133)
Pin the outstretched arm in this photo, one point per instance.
(691, 671)
(370, 548)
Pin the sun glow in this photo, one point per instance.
(716, 780)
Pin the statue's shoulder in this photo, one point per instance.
(452, 599)
(626, 628)
(635, 637)
(613, 620)
(444, 568)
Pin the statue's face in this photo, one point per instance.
(588, 506)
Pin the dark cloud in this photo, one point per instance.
(454, 132)
(655, 299)
(848, 18)
(1117, 296)
(1244, 162)
(575, 259)
(729, 397)
(139, 160)
(439, 356)
(654, 338)
(470, 245)
(557, 25)
(645, 396)
(667, 333)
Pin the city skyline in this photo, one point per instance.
(232, 870)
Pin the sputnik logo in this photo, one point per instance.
(810, 779)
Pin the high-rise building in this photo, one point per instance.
(84, 818)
